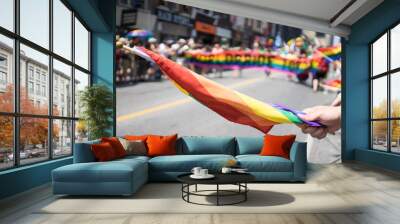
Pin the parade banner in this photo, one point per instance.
(230, 104)
(287, 63)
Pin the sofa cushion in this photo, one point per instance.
(277, 145)
(112, 171)
(194, 145)
(103, 152)
(134, 147)
(249, 145)
(257, 163)
(161, 145)
(116, 145)
(93, 172)
(136, 137)
(185, 163)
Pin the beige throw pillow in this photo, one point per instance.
(137, 148)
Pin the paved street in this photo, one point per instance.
(159, 108)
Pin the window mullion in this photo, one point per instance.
(389, 101)
(16, 84)
(371, 98)
(50, 81)
(73, 82)
(89, 54)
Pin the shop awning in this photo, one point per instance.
(326, 16)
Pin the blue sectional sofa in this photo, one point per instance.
(125, 176)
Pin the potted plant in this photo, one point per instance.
(96, 103)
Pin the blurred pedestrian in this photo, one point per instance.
(163, 49)
(320, 73)
(302, 77)
(192, 49)
(142, 64)
(153, 46)
(206, 49)
(125, 62)
(242, 48)
(174, 50)
(153, 73)
(181, 50)
(217, 50)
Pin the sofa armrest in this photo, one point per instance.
(298, 155)
(83, 152)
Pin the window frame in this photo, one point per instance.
(388, 74)
(16, 114)
(3, 71)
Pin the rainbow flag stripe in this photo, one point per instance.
(332, 52)
(235, 59)
(230, 104)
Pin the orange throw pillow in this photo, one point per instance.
(136, 137)
(161, 145)
(277, 145)
(116, 145)
(103, 152)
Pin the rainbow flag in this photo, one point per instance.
(332, 52)
(289, 64)
(230, 104)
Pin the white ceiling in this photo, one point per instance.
(314, 15)
(321, 9)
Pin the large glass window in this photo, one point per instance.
(6, 142)
(395, 47)
(62, 137)
(33, 140)
(379, 97)
(41, 123)
(385, 94)
(81, 81)
(40, 62)
(379, 56)
(34, 21)
(62, 89)
(81, 45)
(379, 133)
(62, 27)
(7, 14)
(6, 74)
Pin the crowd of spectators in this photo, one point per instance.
(132, 69)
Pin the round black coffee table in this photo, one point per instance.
(238, 179)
